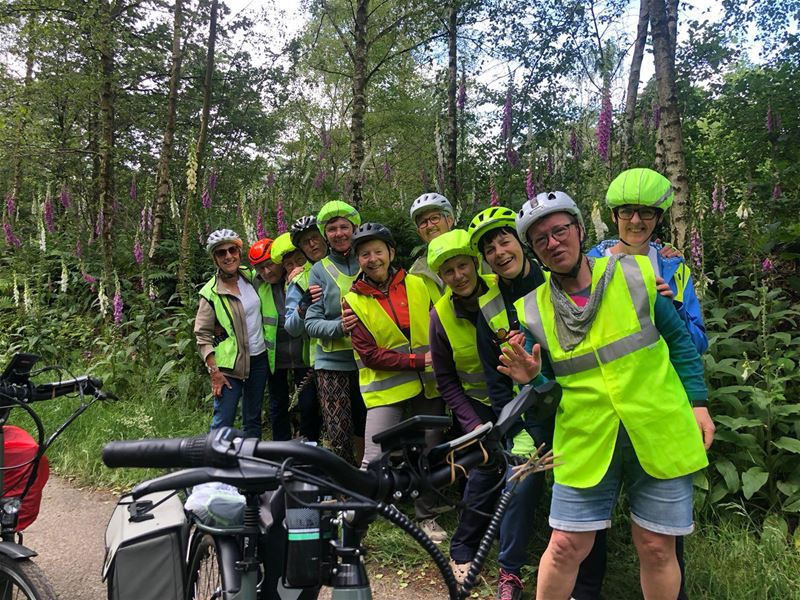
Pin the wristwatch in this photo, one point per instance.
(212, 368)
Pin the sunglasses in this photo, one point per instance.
(223, 252)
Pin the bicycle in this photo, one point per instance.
(20, 577)
(325, 503)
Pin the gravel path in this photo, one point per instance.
(69, 534)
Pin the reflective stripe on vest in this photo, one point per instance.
(380, 388)
(227, 350)
(269, 320)
(620, 373)
(344, 282)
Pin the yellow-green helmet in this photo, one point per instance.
(640, 186)
(494, 217)
(337, 208)
(281, 247)
(455, 242)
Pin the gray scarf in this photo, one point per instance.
(572, 321)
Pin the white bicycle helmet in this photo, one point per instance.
(220, 236)
(431, 201)
(542, 205)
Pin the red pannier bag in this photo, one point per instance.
(20, 448)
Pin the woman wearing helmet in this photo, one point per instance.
(335, 367)
(289, 355)
(628, 372)
(231, 335)
(390, 337)
(432, 215)
(494, 236)
(308, 241)
(638, 199)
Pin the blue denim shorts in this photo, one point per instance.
(658, 505)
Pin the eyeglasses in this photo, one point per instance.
(559, 233)
(432, 220)
(646, 213)
(223, 252)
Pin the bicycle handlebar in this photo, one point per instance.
(50, 390)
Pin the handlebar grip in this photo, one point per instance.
(180, 453)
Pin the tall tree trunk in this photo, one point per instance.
(672, 135)
(633, 82)
(22, 119)
(452, 87)
(105, 46)
(191, 198)
(163, 185)
(359, 103)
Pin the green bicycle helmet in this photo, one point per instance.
(640, 186)
(455, 242)
(281, 247)
(337, 208)
(485, 221)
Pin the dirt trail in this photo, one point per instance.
(69, 534)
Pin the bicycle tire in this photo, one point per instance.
(205, 580)
(23, 580)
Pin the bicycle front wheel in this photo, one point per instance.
(206, 580)
(23, 580)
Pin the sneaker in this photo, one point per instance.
(509, 587)
(460, 570)
(433, 530)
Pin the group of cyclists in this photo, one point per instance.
(511, 299)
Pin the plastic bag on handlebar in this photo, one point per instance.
(216, 504)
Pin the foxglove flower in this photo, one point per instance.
(697, 250)
(191, 170)
(280, 218)
(89, 279)
(600, 228)
(117, 301)
(776, 191)
(743, 212)
(151, 291)
(461, 98)
(48, 214)
(505, 130)
(494, 199)
(138, 253)
(603, 130)
(11, 238)
(260, 231)
(212, 180)
(16, 291)
(64, 277)
(64, 197)
(11, 205)
(102, 298)
(42, 236)
(206, 199)
(767, 265)
(27, 300)
(530, 188)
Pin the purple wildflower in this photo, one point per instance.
(656, 116)
(530, 188)
(212, 180)
(280, 218)
(117, 307)
(270, 179)
(512, 157)
(260, 231)
(78, 248)
(575, 144)
(494, 199)
(48, 214)
(776, 191)
(64, 197)
(697, 250)
(11, 238)
(89, 279)
(718, 203)
(603, 130)
(206, 199)
(767, 265)
(133, 188)
(461, 99)
(11, 205)
(151, 292)
(322, 175)
(505, 130)
(138, 253)
(98, 226)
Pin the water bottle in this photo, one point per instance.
(304, 542)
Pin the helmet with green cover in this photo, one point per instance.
(337, 208)
(455, 242)
(641, 186)
(281, 247)
(485, 221)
